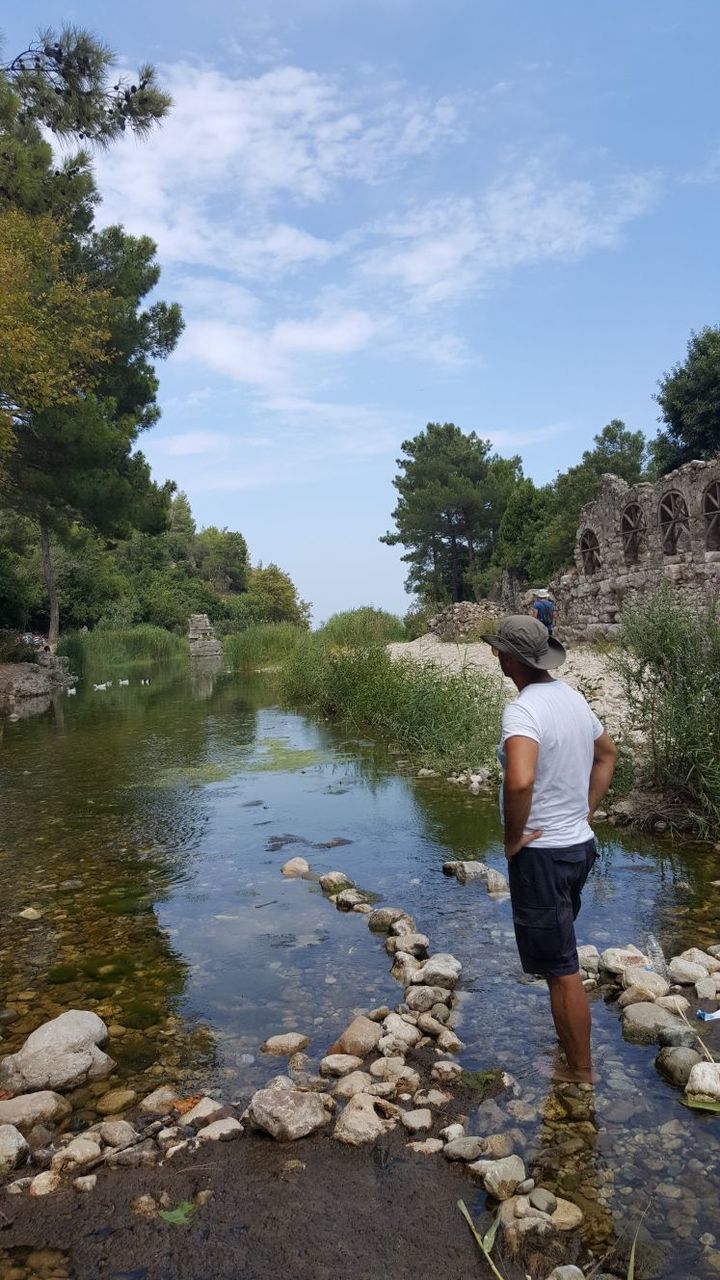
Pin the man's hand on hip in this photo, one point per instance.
(526, 839)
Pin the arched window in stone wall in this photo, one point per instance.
(674, 523)
(590, 551)
(633, 532)
(711, 513)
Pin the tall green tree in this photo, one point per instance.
(689, 398)
(75, 464)
(452, 492)
(222, 559)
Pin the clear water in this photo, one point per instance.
(138, 821)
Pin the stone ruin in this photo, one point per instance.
(466, 620)
(633, 538)
(202, 638)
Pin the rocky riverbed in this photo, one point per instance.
(144, 843)
(388, 1073)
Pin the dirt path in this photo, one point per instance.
(310, 1210)
(585, 669)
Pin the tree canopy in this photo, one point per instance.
(55, 327)
(160, 578)
(452, 493)
(689, 397)
(72, 461)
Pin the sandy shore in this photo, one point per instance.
(585, 669)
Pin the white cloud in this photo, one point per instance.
(268, 358)
(241, 143)
(449, 247)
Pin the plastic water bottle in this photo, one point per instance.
(656, 955)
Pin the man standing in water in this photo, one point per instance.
(558, 763)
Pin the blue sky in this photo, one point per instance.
(377, 213)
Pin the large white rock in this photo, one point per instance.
(61, 1054)
(686, 972)
(401, 1030)
(335, 881)
(159, 1101)
(704, 1081)
(287, 1114)
(221, 1130)
(202, 1112)
(359, 1039)
(441, 970)
(589, 958)
(78, 1153)
(13, 1147)
(286, 1044)
(616, 959)
(710, 963)
(296, 868)
(500, 1178)
(642, 1023)
(339, 1064)
(355, 1082)
(422, 999)
(116, 1133)
(364, 1120)
(34, 1108)
(646, 979)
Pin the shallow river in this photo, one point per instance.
(143, 823)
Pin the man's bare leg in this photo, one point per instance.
(571, 1015)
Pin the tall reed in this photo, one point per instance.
(669, 661)
(106, 648)
(448, 719)
(264, 644)
(363, 626)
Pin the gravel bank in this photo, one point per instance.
(585, 669)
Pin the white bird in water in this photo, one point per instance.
(100, 688)
(123, 682)
(71, 693)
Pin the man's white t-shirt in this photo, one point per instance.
(565, 727)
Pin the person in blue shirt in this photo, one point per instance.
(544, 610)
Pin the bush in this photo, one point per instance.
(262, 645)
(670, 665)
(104, 648)
(416, 620)
(12, 648)
(361, 627)
(448, 719)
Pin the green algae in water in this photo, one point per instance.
(116, 965)
(125, 902)
(62, 973)
(277, 756)
(139, 1014)
(484, 1083)
(197, 775)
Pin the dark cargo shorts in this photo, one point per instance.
(545, 887)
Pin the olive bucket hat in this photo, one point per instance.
(526, 639)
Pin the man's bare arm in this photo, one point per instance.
(602, 771)
(521, 756)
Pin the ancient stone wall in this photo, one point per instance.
(465, 620)
(201, 636)
(634, 537)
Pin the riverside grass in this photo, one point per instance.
(266, 644)
(669, 661)
(106, 648)
(355, 628)
(449, 720)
